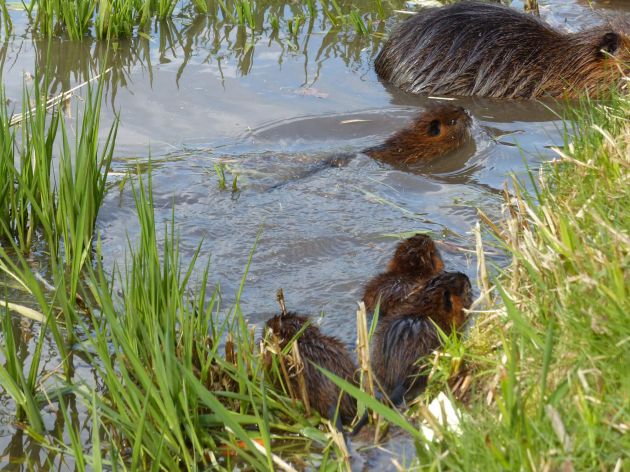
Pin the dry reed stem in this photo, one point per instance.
(483, 280)
(283, 465)
(22, 310)
(531, 6)
(298, 366)
(340, 442)
(283, 367)
(280, 298)
(363, 350)
(51, 102)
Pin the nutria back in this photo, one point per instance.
(409, 333)
(439, 130)
(473, 48)
(415, 260)
(325, 351)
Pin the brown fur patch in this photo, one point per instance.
(415, 260)
(325, 351)
(474, 48)
(408, 334)
(439, 130)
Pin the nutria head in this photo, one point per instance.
(600, 58)
(440, 129)
(416, 256)
(286, 326)
(443, 299)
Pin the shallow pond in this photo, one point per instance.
(269, 106)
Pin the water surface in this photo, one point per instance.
(269, 105)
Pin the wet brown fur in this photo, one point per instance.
(442, 128)
(325, 351)
(474, 48)
(415, 260)
(408, 334)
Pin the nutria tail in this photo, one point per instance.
(474, 48)
(334, 161)
(437, 131)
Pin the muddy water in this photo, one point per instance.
(271, 107)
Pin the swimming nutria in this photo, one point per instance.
(409, 333)
(325, 351)
(415, 260)
(474, 48)
(436, 131)
(440, 129)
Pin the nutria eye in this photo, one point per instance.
(434, 128)
(609, 43)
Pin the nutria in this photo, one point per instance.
(439, 130)
(409, 332)
(415, 260)
(325, 351)
(474, 48)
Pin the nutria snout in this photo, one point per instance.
(409, 332)
(439, 130)
(415, 260)
(474, 48)
(317, 349)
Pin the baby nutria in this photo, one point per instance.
(439, 130)
(325, 351)
(435, 132)
(409, 333)
(490, 50)
(415, 260)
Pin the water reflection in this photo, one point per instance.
(214, 38)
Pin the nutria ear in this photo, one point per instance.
(434, 128)
(608, 44)
(448, 303)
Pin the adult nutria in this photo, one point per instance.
(325, 351)
(440, 129)
(474, 48)
(409, 332)
(415, 260)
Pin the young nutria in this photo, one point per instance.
(409, 332)
(325, 351)
(473, 48)
(439, 130)
(415, 260)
